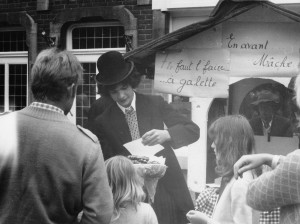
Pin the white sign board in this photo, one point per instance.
(276, 145)
(193, 73)
(262, 49)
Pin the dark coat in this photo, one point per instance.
(98, 107)
(152, 113)
(281, 126)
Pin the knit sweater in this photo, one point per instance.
(50, 170)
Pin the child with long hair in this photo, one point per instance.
(232, 138)
(128, 193)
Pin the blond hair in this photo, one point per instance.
(126, 186)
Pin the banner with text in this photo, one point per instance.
(262, 49)
(193, 73)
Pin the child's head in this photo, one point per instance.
(124, 181)
(233, 137)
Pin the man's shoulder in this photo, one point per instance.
(87, 133)
(150, 98)
(295, 153)
(281, 119)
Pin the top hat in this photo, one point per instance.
(113, 68)
(266, 96)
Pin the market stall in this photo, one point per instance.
(242, 46)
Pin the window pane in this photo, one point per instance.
(75, 33)
(86, 93)
(75, 44)
(98, 37)
(106, 43)
(83, 43)
(17, 86)
(13, 41)
(98, 43)
(2, 69)
(90, 43)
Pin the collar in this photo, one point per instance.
(46, 106)
(133, 104)
(270, 123)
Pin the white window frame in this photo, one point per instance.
(90, 51)
(9, 58)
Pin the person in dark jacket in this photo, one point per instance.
(117, 79)
(268, 123)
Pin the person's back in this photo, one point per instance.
(50, 169)
(143, 214)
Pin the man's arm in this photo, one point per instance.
(96, 194)
(278, 187)
(182, 130)
(253, 161)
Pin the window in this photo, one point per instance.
(98, 37)
(11, 41)
(86, 93)
(13, 70)
(88, 41)
(13, 84)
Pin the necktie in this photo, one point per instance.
(131, 118)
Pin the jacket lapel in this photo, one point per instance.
(119, 124)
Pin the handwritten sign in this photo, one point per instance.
(262, 49)
(194, 73)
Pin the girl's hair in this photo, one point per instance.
(132, 80)
(233, 137)
(126, 186)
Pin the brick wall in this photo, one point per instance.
(49, 9)
(143, 13)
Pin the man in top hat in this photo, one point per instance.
(133, 115)
(268, 123)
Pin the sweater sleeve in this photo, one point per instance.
(278, 187)
(96, 193)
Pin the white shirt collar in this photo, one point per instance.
(133, 104)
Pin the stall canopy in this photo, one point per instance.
(144, 56)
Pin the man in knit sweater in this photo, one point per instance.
(50, 170)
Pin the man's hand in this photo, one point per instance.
(249, 162)
(155, 137)
(196, 217)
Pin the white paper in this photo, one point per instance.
(136, 147)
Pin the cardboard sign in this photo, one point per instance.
(277, 145)
(262, 49)
(193, 73)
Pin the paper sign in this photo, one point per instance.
(274, 52)
(137, 148)
(193, 73)
(264, 64)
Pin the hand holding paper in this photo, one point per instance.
(136, 147)
(155, 136)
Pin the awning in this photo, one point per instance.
(144, 56)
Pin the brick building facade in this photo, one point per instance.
(88, 28)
